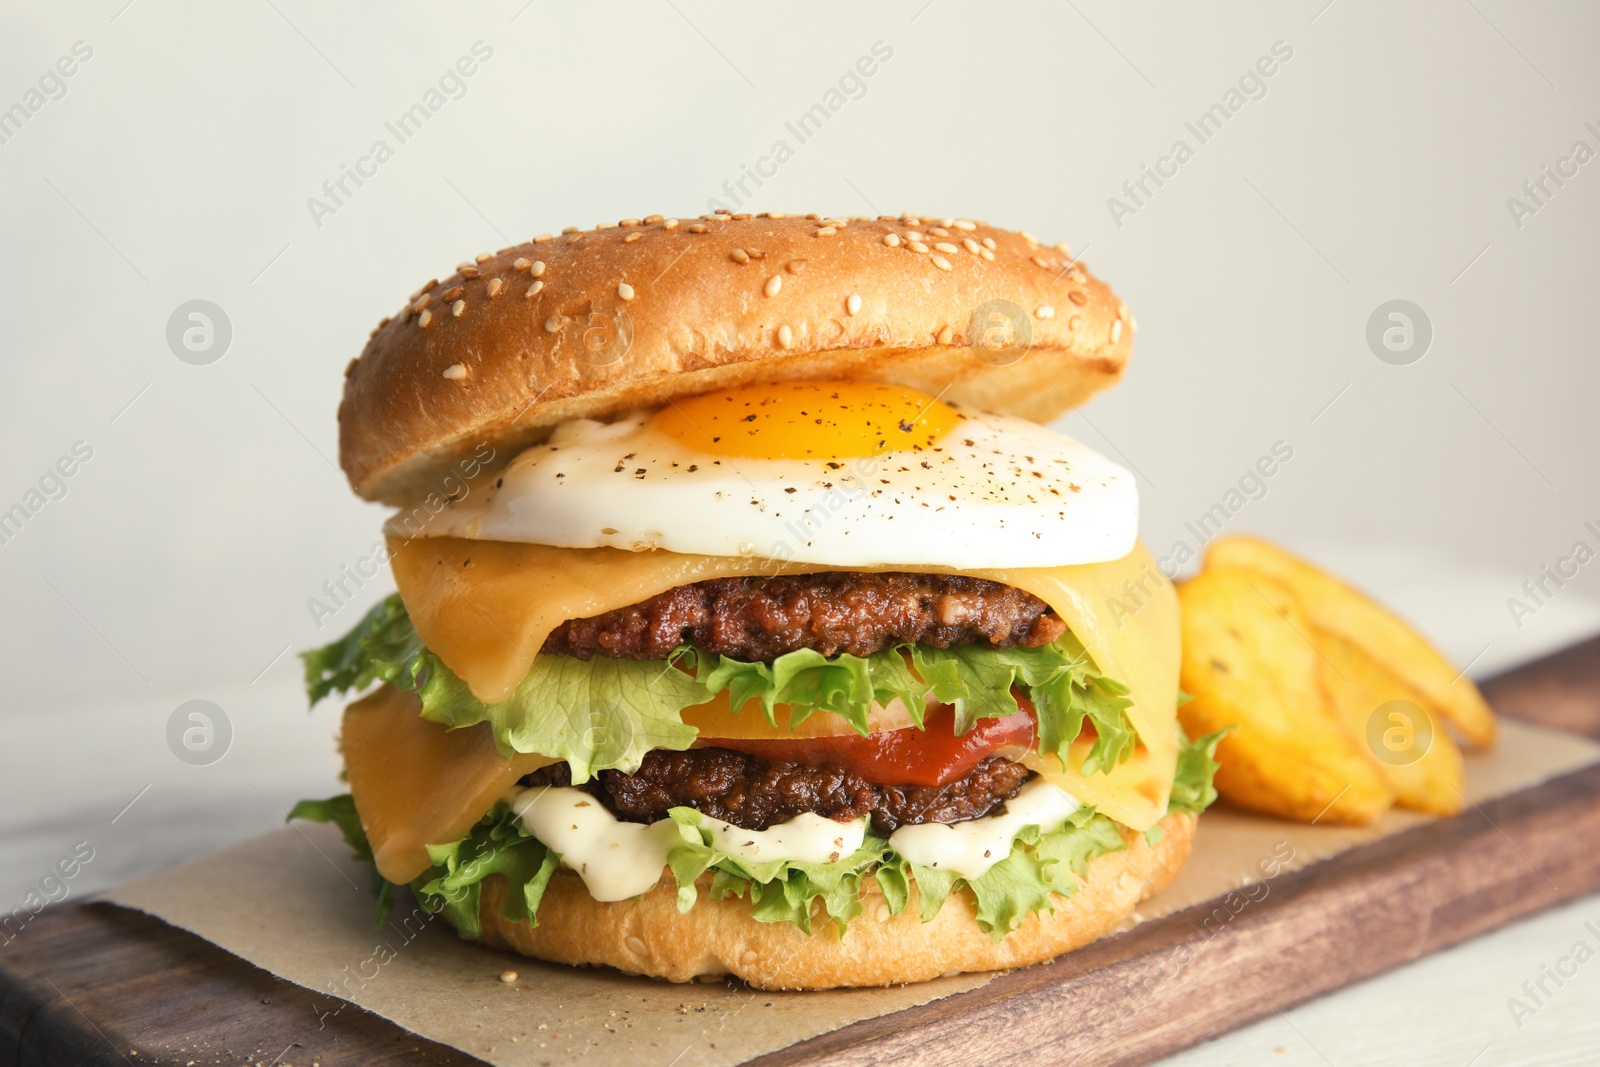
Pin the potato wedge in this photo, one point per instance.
(1335, 607)
(1415, 753)
(1248, 663)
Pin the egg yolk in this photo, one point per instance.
(808, 420)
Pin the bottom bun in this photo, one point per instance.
(647, 935)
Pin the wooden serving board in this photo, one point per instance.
(90, 983)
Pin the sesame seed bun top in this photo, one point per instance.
(590, 323)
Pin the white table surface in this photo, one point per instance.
(85, 765)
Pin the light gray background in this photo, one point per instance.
(179, 161)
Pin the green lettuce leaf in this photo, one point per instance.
(1060, 681)
(383, 646)
(778, 890)
(497, 845)
(809, 682)
(596, 715)
(1192, 788)
(606, 713)
(341, 812)
(1040, 864)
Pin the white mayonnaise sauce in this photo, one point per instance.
(970, 848)
(618, 860)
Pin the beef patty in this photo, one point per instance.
(755, 794)
(832, 612)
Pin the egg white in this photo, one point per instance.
(995, 491)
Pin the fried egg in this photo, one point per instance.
(847, 474)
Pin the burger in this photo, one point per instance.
(749, 620)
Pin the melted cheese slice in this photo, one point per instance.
(485, 607)
(417, 783)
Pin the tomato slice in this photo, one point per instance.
(929, 757)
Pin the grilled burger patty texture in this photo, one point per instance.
(759, 619)
(755, 793)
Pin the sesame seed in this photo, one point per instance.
(1040, 261)
(465, 264)
(776, 215)
(1074, 322)
(986, 254)
(1045, 311)
(458, 307)
(625, 290)
(422, 302)
(916, 246)
(826, 231)
(651, 220)
(605, 225)
(628, 222)
(632, 237)
(941, 262)
(425, 318)
(913, 235)
(970, 245)
(669, 224)
(456, 371)
(543, 237)
(939, 231)
(892, 240)
(948, 222)
(508, 977)
(533, 290)
(739, 255)
(574, 239)
(774, 284)
(536, 268)
(698, 227)
(495, 285)
(945, 335)
(569, 229)
(482, 257)
(1028, 237)
(795, 266)
(431, 283)
(785, 336)
(520, 263)
(740, 216)
(965, 224)
(813, 217)
(947, 248)
(911, 220)
(1065, 249)
(1077, 296)
(852, 303)
(469, 272)
(552, 324)
(988, 242)
(1116, 330)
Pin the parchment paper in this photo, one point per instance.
(293, 903)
